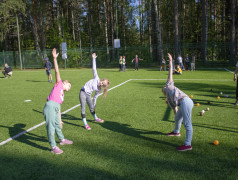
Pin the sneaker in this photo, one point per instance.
(236, 103)
(65, 141)
(174, 134)
(99, 120)
(56, 150)
(51, 80)
(87, 127)
(184, 148)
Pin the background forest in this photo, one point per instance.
(29, 29)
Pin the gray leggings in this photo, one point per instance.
(84, 97)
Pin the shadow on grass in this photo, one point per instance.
(27, 138)
(216, 127)
(40, 168)
(126, 129)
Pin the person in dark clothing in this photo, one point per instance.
(7, 70)
(48, 67)
(136, 59)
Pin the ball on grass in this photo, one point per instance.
(221, 93)
(191, 96)
(216, 142)
(218, 97)
(207, 108)
(198, 104)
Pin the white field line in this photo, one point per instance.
(229, 70)
(183, 80)
(34, 127)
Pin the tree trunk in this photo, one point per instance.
(90, 25)
(42, 26)
(72, 16)
(149, 26)
(204, 30)
(176, 35)
(140, 21)
(58, 18)
(158, 32)
(124, 25)
(112, 29)
(34, 27)
(233, 32)
(106, 31)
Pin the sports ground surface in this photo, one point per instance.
(132, 142)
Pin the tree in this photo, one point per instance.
(176, 30)
(233, 31)
(204, 31)
(106, 31)
(9, 9)
(158, 31)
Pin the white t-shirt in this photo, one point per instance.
(92, 85)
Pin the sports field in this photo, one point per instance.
(132, 142)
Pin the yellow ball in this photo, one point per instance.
(218, 97)
(216, 142)
(198, 104)
(191, 96)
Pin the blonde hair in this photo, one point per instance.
(105, 87)
(66, 81)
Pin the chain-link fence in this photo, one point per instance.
(218, 55)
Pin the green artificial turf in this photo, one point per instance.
(132, 142)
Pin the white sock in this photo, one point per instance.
(85, 121)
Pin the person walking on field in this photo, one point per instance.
(136, 59)
(93, 85)
(52, 109)
(235, 79)
(48, 67)
(175, 98)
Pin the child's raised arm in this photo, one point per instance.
(57, 74)
(170, 76)
(95, 74)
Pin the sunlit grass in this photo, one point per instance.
(132, 143)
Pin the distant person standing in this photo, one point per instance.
(120, 63)
(48, 67)
(136, 59)
(7, 70)
(163, 65)
(193, 62)
(235, 79)
(180, 61)
(124, 63)
(187, 62)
